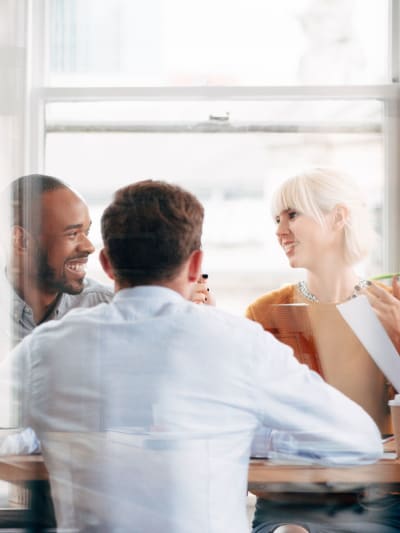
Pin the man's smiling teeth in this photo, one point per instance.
(76, 267)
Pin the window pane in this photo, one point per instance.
(234, 174)
(246, 42)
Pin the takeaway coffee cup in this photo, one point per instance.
(395, 412)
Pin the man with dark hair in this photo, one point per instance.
(48, 252)
(146, 407)
(149, 230)
(45, 229)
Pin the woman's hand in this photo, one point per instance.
(387, 308)
(201, 294)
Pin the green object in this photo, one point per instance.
(385, 276)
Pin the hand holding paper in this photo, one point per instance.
(362, 319)
(387, 308)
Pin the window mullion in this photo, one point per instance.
(35, 104)
(391, 127)
(394, 41)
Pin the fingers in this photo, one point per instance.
(396, 287)
(210, 298)
(201, 293)
(200, 290)
(203, 279)
(378, 297)
(382, 301)
(198, 297)
(387, 308)
(374, 292)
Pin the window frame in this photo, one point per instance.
(39, 94)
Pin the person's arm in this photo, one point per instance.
(309, 418)
(15, 383)
(387, 308)
(19, 362)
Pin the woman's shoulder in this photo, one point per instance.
(283, 295)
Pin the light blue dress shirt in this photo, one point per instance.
(23, 322)
(17, 321)
(146, 409)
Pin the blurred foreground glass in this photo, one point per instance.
(233, 155)
(246, 42)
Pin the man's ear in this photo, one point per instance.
(20, 239)
(195, 263)
(105, 263)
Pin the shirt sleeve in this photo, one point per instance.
(311, 419)
(15, 386)
(15, 373)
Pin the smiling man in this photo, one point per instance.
(45, 228)
(48, 254)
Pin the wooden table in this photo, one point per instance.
(21, 471)
(266, 477)
(18, 468)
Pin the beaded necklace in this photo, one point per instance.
(304, 291)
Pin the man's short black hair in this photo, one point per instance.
(24, 195)
(149, 230)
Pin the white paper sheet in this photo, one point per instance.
(362, 319)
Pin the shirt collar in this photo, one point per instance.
(155, 292)
(18, 306)
(20, 309)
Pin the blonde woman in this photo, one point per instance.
(323, 226)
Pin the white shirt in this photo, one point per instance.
(17, 321)
(146, 408)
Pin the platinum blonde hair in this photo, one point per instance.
(316, 192)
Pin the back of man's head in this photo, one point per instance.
(149, 230)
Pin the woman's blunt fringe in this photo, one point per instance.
(317, 192)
